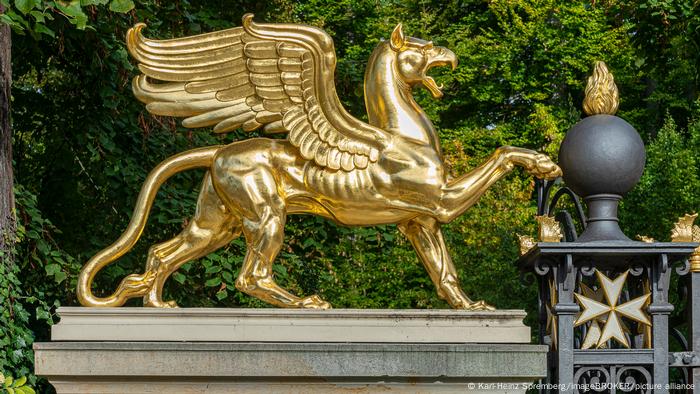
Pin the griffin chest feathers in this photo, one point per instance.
(391, 107)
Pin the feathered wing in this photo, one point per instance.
(276, 76)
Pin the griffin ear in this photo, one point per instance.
(397, 38)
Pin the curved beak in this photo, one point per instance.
(441, 56)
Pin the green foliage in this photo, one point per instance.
(31, 285)
(35, 16)
(671, 180)
(15, 386)
(83, 145)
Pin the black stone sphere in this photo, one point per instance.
(602, 154)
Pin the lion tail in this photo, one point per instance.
(136, 285)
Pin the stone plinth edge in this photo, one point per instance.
(285, 325)
(149, 367)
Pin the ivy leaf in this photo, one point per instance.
(121, 5)
(213, 282)
(74, 13)
(228, 277)
(20, 381)
(42, 314)
(24, 6)
(15, 21)
(4, 18)
(60, 276)
(179, 277)
(221, 295)
(213, 269)
(52, 269)
(38, 16)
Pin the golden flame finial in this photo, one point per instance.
(601, 92)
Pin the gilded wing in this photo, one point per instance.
(276, 76)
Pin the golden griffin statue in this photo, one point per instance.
(280, 77)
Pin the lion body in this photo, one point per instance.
(387, 171)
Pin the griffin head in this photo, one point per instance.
(415, 57)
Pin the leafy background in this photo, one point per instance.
(83, 145)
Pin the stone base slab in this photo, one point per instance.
(151, 367)
(191, 350)
(290, 325)
(287, 388)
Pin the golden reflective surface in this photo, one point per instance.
(280, 77)
(602, 96)
(645, 239)
(525, 244)
(685, 231)
(549, 229)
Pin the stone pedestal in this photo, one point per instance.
(145, 350)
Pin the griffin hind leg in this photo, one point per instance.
(248, 181)
(212, 227)
(256, 278)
